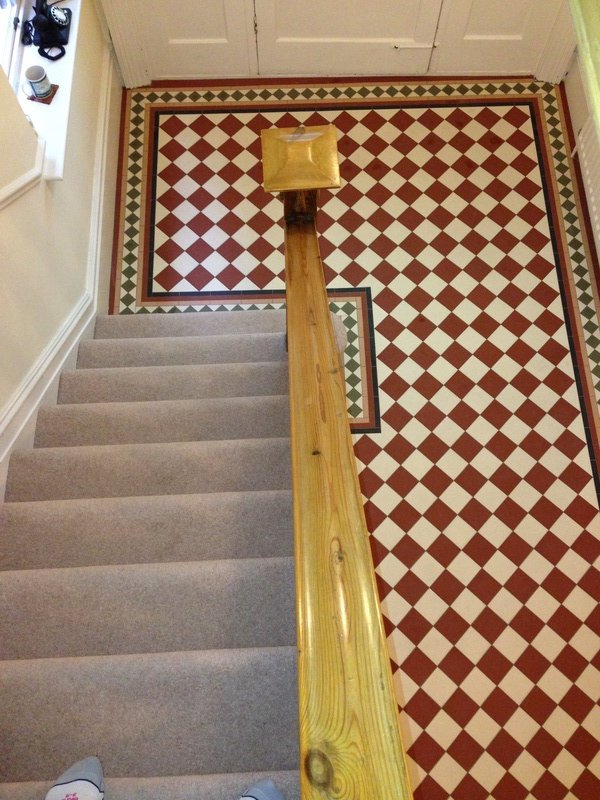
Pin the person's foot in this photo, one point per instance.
(82, 781)
(263, 790)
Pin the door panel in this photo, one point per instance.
(493, 36)
(344, 37)
(190, 39)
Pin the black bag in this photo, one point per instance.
(49, 29)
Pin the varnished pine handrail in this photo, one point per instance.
(350, 741)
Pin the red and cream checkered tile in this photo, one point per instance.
(480, 490)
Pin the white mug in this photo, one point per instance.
(38, 81)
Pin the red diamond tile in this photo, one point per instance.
(465, 750)
(405, 516)
(499, 706)
(169, 251)
(421, 708)
(549, 788)
(452, 626)
(570, 662)
(527, 624)
(456, 666)
(429, 790)
(425, 751)
(199, 277)
(418, 666)
(504, 749)
(168, 278)
(538, 705)
(587, 785)
(533, 664)
(411, 588)
(521, 585)
(509, 787)
(494, 665)
(230, 276)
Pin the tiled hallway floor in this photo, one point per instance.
(458, 213)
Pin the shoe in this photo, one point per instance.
(83, 781)
(263, 790)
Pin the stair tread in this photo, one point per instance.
(147, 608)
(162, 421)
(225, 348)
(152, 714)
(110, 384)
(181, 324)
(113, 470)
(115, 530)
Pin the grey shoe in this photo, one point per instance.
(263, 790)
(82, 781)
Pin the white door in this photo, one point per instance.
(345, 37)
(479, 37)
(192, 39)
(184, 38)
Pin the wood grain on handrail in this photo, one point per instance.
(350, 741)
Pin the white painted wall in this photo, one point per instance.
(55, 239)
(19, 142)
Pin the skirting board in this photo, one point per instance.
(40, 386)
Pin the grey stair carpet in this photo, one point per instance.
(146, 566)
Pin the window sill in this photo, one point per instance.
(51, 121)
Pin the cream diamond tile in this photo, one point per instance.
(477, 686)
(505, 604)
(215, 211)
(472, 645)
(560, 725)
(542, 604)
(427, 569)
(581, 604)
(487, 772)
(391, 569)
(521, 726)
(510, 644)
(483, 729)
(447, 773)
(395, 607)
(468, 606)
(527, 769)
(431, 606)
(435, 646)
(556, 685)
(566, 768)
(500, 567)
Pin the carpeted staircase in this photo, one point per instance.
(147, 585)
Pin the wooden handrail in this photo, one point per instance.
(350, 740)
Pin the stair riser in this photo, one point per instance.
(185, 350)
(120, 326)
(147, 608)
(163, 421)
(129, 384)
(148, 469)
(144, 530)
(155, 715)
